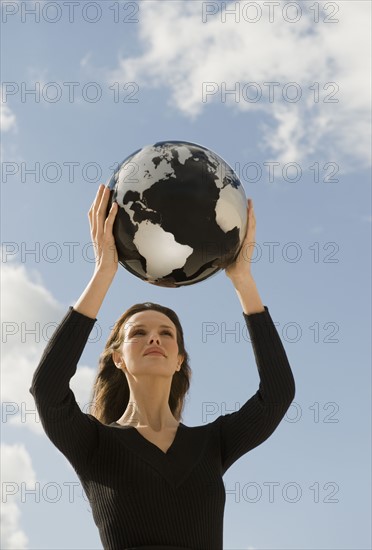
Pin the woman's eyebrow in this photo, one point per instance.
(142, 325)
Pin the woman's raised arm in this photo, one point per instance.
(260, 415)
(73, 432)
(106, 254)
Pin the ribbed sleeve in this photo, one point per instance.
(72, 432)
(257, 419)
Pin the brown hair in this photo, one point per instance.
(110, 394)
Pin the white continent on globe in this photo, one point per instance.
(150, 239)
(230, 211)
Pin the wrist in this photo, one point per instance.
(248, 295)
(242, 281)
(104, 274)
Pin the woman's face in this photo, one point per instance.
(143, 331)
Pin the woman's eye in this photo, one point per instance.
(139, 331)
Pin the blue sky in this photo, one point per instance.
(303, 158)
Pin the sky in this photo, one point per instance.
(281, 91)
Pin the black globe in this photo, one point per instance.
(182, 213)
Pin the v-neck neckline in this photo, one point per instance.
(180, 459)
(172, 445)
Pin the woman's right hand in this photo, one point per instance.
(101, 232)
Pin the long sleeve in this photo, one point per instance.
(258, 418)
(73, 432)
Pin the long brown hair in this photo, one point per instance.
(111, 392)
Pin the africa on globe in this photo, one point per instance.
(182, 213)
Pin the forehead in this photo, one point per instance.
(149, 318)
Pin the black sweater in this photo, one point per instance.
(139, 495)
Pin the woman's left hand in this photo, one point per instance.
(240, 269)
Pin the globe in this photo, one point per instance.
(182, 213)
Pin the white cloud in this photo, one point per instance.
(16, 473)
(25, 302)
(181, 53)
(84, 62)
(8, 123)
(29, 316)
(7, 116)
(82, 384)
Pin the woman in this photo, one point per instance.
(153, 482)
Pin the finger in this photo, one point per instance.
(111, 217)
(101, 211)
(103, 198)
(250, 207)
(251, 226)
(95, 203)
(94, 207)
